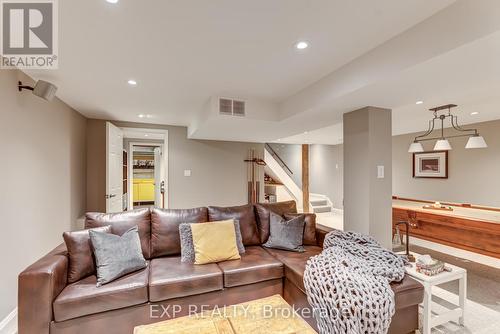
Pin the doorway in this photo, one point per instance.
(148, 186)
(136, 168)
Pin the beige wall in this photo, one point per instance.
(42, 172)
(219, 175)
(474, 174)
(96, 165)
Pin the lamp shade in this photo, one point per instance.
(442, 145)
(476, 142)
(415, 147)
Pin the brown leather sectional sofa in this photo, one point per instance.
(168, 288)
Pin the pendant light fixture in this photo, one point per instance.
(442, 143)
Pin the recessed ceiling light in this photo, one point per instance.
(146, 135)
(112, 1)
(132, 82)
(141, 115)
(301, 45)
(419, 102)
(474, 113)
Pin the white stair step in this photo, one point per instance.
(324, 208)
(318, 202)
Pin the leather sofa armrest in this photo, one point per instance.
(321, 232)
(38, 286)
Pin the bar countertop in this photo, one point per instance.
(474, 213)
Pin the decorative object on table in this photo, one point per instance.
(441, 113)
(254, 170)
(396, 240)
(351, 270)
(437, 206)
(429, 266)
(430, 165)
(395, 243)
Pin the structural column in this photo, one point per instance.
(305, 177)
(368, 173)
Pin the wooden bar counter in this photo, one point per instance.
(473, 228)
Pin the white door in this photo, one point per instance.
(158, 168)
(114, 168)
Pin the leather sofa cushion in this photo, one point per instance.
(121, 222)
(84, 298)
(165, 223)
(309, 227)
(256, 265)
(295, 263)
(408, 292)
(244, 214)
(80, 255)
(263, 210)
(171, 278)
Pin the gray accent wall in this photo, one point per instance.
(42, 193)
(326, 164)
(367, 198)
(474, 174)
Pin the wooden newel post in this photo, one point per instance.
(305, 177)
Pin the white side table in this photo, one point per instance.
(428, 282)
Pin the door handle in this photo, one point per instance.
(110, 196)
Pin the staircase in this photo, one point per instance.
(320, 203)
(281, 172)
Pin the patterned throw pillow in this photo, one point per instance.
(286, 234)
(115, 255)
(187, 247)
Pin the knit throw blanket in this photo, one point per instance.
(348, 284)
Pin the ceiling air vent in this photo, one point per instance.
(225, 106)
(231, 107)
(238, 108)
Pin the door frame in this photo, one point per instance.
(165, 151)
(109, 127)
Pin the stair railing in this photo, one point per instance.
(278, 159)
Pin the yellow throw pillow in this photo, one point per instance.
(214, 242)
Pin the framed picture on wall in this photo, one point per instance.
(430, 164)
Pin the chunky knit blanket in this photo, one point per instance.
(348, 284)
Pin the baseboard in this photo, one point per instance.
(9, 324)
(464, 254)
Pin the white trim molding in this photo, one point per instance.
(9, 323)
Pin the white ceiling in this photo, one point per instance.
(183, 52)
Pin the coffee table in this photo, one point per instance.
(266, 315)
(428, 319)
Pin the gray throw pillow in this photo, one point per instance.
(286, 234)
(115, 255)
(187, 246)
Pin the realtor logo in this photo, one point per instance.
(29, 34)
